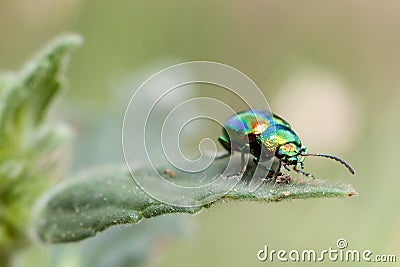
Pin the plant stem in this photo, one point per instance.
(5, 258)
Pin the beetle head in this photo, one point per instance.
(289, 153)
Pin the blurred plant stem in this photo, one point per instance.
(28, 141)
(5, 258)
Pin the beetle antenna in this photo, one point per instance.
(332, 157)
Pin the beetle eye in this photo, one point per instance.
(303, 150)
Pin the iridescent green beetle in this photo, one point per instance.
(265, 136)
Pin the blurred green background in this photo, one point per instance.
(330, 68)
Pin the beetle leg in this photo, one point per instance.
(286, 167)
(279, 169)
(223, 155)
(225, 143)
(303, 172)
(269, 169)
(255, 160)
(245, 150)
(243, 164)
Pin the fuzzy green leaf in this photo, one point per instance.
(25, 103)
(108, 196)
